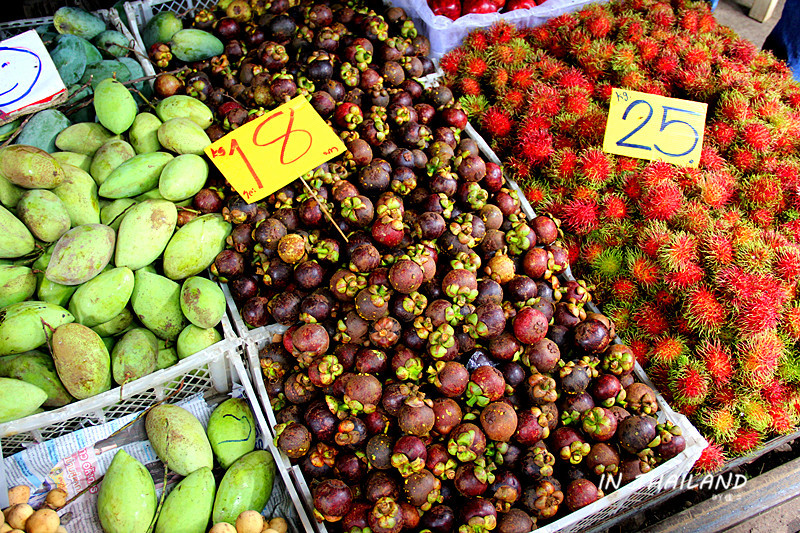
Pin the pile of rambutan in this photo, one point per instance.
(699, 267)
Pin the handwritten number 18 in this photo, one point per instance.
(664, 125)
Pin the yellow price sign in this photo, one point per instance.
(275, 149)
(649, 126)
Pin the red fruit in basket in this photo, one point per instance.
(515, 521)
(386, 516)
(581, 493)
(388, 231)
(480, 514)
(640, 399)
(332, 500)
(160, 54)
(543, 355)
(449, 377)
(606, 390)
(570, 445)
(513, 5)
(478, 6)
(448, 8)
(447, 415)
(409, 455)
(486, 384)
(167, 85)
(293, 439)
(530, 325)
(499, 421)
(599, 423)
(637, 432)
(422, 489)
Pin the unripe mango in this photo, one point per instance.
(108, 157)
(181, 106)
(116, 325)
(167, 356)
(9, 193)
(15, 239)
(143, 134)
(75, 21)
(102, 298)
(232, 431)
(18, 399)
(82, 360)
(202, 302)
(183, 136)
(156, 302)
(126, 501)
(193, 339)
(44, 214)
(38, 369)
(183, 177)
(187, 509)
(135, 176)
(53, 293)
(183, 258)
(30, 167)
(25, 326)
(79, 194)
(114, 106)
(82, 161)
(83, 138)
(17, 284)
(81, 254)
(246, 485)
(178, 439)
(134, 356)
(145, 232)
(113, 214)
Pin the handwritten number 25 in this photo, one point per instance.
(664, 125)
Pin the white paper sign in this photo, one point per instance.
(28, 76)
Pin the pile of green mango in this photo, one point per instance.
(126, 501)
(98, 283)
(85, 51)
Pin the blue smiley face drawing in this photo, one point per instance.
(20, 69)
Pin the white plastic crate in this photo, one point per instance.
(218, 371)
(202, 371)
(141, 11)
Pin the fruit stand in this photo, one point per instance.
(299, 266)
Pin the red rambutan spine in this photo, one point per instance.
(580, 216)
(496, 122)
(662, 201)
(711, 459)
(689, 384)
(704, 311)
(650, 320)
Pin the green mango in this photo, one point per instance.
(44, 214)
(111, 155)
(79, 194)
(231, 431)
(183, 258)
(167, 357)
(156, 302)
(30, 167)
(38, 369)
(135, 176)
(112, 43)
(134, 356)
(246, 485)
(75, 21)
(22, 325)
(202, 302)
(143, 134)
(152, 194)
(193, 339)
(195, 45)
(8, 129)
(126, 501)
(17, 284)
(113, 214)
(145, 232)
(136, 72)
(114, 106)
(183, 177)
(181, 106)
(161, 28)
(178, 439)
(82, 360)
(90, 50)
(69, 57)
(81, 254)
(109, 343)
(116, 325)
(82, 161)
(53, 293)
(19, 399)
(103, 70)
(84, 138)
(187, 509)
(42, 129)
(9, 193)
(183, 136)
(102, 298)
(15, 239)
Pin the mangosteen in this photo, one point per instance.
(580, 493)
(332, 500)
(637, 433)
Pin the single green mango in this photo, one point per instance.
(30, 167)
(81, 254)
(156, 302)
(44, 214)
(143, 134)
(232, 431)
(181, 106)
(38, 369)
(15, 239)
(183, 177)
(108, 157)
(83, 138)
(82, 360)
(102, 298)
(193, 339)
(17, 284)
(183, 258)
(126, 501)
(246, 485)
(19, 399)
(145, 232)
(117, 325)
(82, 161)
(135, 176)
(134, 356)
(187, 509)
(183, 136)
(75, 21)
(178, 439)
(79, 194)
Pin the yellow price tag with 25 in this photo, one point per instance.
(649, 126)
(275, 149)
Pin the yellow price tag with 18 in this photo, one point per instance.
(649, 126)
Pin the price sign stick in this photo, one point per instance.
(324, 209)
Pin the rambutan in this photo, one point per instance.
(610, 264)
(657, 172)
(721, 423)
(632, 188)
(640, 349)
(662, 201)
(776, 392)
(666, 64)
(717, 359)
(522, 78)
(648, 49)
(499, 79)
(711, 459)
(754, 256)
(645, 271)
(704, 311)
(469, 86)
(679, 251)
(474, 65)
(707, 23)
(756, 316)
(721, 133)
(717, 188)
(599, 24)
(758, 358)
(573, 77)
(591, 250)
(496, 122)
(685, 277)
(535, 146)
(694, 217)
(762, 217)
(613, 207)
(689, 384)
(580, 216)
(451, 61)
(650, 320)
(626, 57)
(733, 107)
(742, 50)
(595, 166)
(754, 412)
(562, 165)
(537, 192)
(501, 32)
(757, 136)
(670, 350)
(476, 40)
(543, 99)
(787, 263)
(790, 323)
(473, 106)
(624, 290)
(789, 367)
(716, 249)
(590, 127)
(513, 100)
(783, 421)
(575, 100)
(746, 440)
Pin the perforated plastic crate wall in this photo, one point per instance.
(203, 371)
